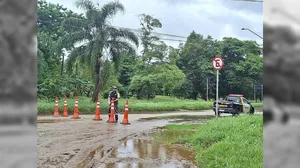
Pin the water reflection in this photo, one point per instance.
(143, 153)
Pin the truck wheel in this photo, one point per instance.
(252, 111)
(218, 113)
(237, 111)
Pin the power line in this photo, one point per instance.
(172, 40)
(164, 34)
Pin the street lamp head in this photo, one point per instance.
(243, 29)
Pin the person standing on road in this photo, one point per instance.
(97, 69)
(116, 96)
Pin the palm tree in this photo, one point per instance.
(96, 34)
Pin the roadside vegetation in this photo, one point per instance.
(233, 142)
(66, 66)
(157, 105)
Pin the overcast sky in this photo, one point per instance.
(291, 7)
(218, 18)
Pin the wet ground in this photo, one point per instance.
(65, 142)
(281, 141)
(18, 148)
(141, 151)
(18, 142)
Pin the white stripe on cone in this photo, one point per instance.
(65, 104)
(76, 104)
(98, 106)
(126, 108)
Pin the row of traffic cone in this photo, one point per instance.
(65, 111)
(97, 115)
(112, 113)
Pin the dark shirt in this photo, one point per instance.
(97, 67)
(113, 95)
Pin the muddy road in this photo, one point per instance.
(65, 142)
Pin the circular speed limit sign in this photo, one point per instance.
(217, 63)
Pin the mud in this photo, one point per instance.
(18, 146)
(50, 121)
(143, 151)
(75, 143)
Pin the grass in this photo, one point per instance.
(158, 104)
(229, 142)
(183, 117)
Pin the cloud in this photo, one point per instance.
(291, 7)
(218, 18)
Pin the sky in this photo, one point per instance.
(291, 7)
(218, 18)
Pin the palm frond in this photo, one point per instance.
(74, 55)
(111, 9)
(115, 56)
(125, 34)
(85, 4)
(69, 40)
(122, 46)
(76, 24)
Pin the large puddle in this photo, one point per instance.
(144, 152)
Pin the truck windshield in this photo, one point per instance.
(233, 99)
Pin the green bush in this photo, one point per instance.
(233, 142)
(158, 104)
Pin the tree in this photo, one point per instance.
(234, 52)
(96, 35)
(49, 22)
(148, 24)
(195, 61)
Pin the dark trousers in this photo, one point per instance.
(116, 110)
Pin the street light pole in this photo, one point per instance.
(252, 32)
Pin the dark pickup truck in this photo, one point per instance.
(234, 104)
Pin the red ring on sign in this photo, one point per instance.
(214, 60)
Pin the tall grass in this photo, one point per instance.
(158, 104)
(231, 142)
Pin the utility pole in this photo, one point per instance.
(252, 32)
(254, 97)
(207, 89)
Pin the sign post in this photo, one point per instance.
(217, 64)
(258, 86)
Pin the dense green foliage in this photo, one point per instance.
(158, 104)
(227, 142)
(281, 48)
(69, 44)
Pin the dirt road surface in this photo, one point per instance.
(66, 142)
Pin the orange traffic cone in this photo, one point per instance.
(112, 113)
(76, 115)
(97, 116)
(56, 113)
(65, 112)
(125, 120)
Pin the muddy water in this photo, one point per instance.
(144, 152)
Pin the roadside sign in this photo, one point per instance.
(258, 86)
(217, 64)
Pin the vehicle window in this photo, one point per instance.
(233, 99)
(245, 101)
